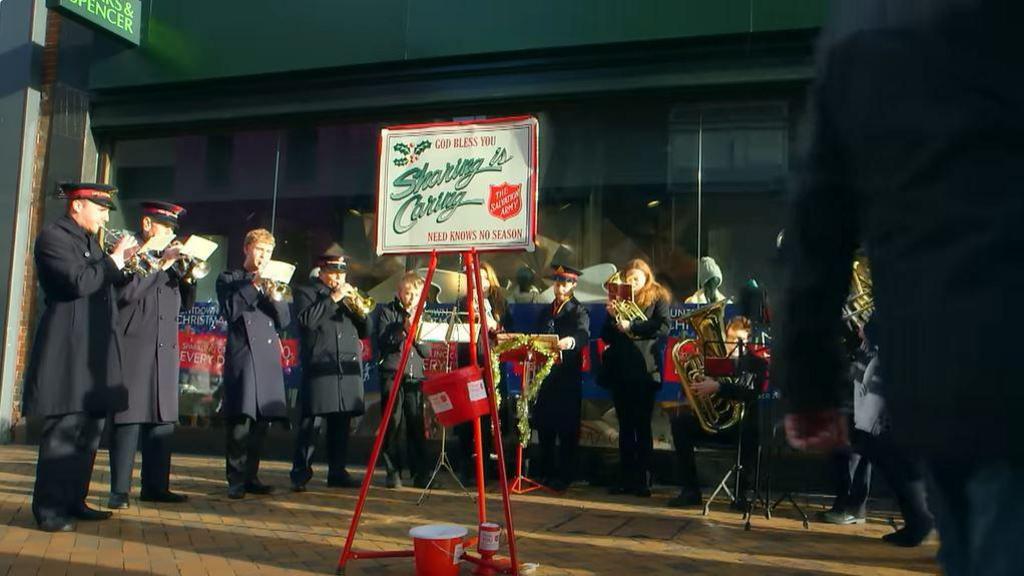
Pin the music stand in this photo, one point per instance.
(528, 358)
(445, 334)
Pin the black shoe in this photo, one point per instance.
(91, 514)
(393, 481)
(298, 487)
(421, 481)
(686, 497)
(619, 490)
(165, 496)
(117, 501)
(642, 492)
(57, 525)
(909, 537)
(346, 481)
(236, 492)
(257, 487)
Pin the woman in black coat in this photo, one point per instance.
(498, 320)
(631, 370)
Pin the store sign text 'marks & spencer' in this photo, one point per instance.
(122, 18)
(454, 186)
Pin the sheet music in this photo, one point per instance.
(278, 271)
(198, 247)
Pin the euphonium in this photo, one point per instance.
(622, 309)
(860, 304)
(359, 303)
(713, 413)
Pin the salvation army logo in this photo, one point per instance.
(505, 200)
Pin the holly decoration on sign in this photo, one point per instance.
(529, 392)
(410, 152)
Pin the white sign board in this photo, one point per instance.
(455, 186)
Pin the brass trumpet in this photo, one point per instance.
(276, 291)
(138, 263)
(360, 303)
(860, 304)
(191, 269)
(623, 306)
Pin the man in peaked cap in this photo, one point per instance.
(332, 369)
(148, 324)
(557, 414)
(74, 372)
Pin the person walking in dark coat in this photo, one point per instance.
(915, 152)
(253, 378)
(631, 369)
(393, 324)
(332, 370)
(148, 326)
(557, 412)
(73, 378)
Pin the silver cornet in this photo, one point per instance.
(139, 263)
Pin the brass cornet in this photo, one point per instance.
(191, 269)
(359, 303)
(620, 297)
(276, 291)
(139, 263)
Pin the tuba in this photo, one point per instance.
(713, 413)
(620, 296)
(860, 304)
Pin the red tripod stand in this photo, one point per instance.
(474, 301)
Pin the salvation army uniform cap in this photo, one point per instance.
(102, 194)
(564, 273)
(333, 258)
(163, 212)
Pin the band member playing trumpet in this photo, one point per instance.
(74, 372)
(631, 370)
(557, 411)
(148, 325)
(253, 378)
(332, 325)
(393, 325)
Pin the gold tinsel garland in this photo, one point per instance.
(529, 394)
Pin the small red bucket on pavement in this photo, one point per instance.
(457, 396)
(437, 549)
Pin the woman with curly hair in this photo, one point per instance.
(631, 370)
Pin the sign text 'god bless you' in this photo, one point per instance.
(454, 186)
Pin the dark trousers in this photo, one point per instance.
(980, 515)
(244, 442)
(67, 452)
(906, 477)
(154, 440)
(305, 446)
(634, 404)
(558, 447)
(406, 424)
(851, 471)
(687, 434)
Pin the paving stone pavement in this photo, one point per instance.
(582, 533)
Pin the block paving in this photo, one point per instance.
(584, 532)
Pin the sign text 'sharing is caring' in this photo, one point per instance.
(454, 186)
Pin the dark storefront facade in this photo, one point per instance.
(667, 131)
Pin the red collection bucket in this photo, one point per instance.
(457, 396)
(437, 549)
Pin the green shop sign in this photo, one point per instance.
(121, 18)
